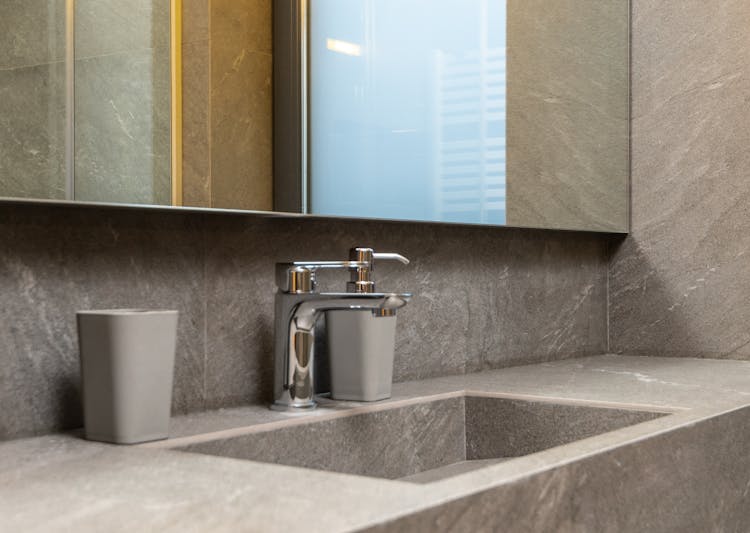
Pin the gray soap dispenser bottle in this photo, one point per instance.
(361, 343)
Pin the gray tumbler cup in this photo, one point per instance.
(127, 366)
(361, 351)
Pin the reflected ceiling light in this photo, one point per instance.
(343, 47)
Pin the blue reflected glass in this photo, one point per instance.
(407, 109)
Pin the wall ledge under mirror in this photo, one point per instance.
(220, 212)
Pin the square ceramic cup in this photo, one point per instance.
(127, 368)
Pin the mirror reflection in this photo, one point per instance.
(498, 112)
(85, 114)
(415, 111)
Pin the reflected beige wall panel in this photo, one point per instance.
(241, 105)
(567, 114)
(195, 21)
(196, 167)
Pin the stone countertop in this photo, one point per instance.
(61, 482)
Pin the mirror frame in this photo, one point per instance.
(175, 68)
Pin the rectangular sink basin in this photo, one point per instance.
(424, 442)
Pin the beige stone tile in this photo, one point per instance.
(245, 21)
(196, 168)
(195, 20)
(241, 127)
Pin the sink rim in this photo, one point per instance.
(512, 468)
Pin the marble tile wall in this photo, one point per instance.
(485, 297)
(32, 99)
(122, 110)
(122, 121)
(391, 444)
(604, 492)
(567, 114)
(680, 284)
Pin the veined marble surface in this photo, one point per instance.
(695, 461)
(568, 121)
(485, 298)
(680, 283)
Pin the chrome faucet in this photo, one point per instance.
(298, 307)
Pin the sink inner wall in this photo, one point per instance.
(403, 441)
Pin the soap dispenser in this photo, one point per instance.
(361, 343)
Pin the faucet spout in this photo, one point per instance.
(306, 313)
(295, 338)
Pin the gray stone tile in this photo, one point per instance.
(676, 486)
(59, 260)
(471, 308)
(240, 254)
(484, 297)
(122, 101)
(106, 27)
(567, 114)
(445, 472)
(32, 132)
(501, 428)
(476, 305)
(32, 32)
(389, 444)
(433, 438)
(655, 476)
(545, 298)
(122, 133)
(680, 284)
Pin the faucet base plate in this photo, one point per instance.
(289, 408)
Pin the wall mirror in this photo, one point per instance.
(495, 112)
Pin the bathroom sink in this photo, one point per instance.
(425, 441)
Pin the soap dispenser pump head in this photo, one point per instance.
(361, 278)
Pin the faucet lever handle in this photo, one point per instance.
(300, 276)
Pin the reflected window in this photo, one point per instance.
(407, 109)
